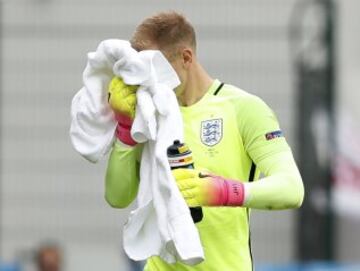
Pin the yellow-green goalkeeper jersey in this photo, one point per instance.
(233, 134)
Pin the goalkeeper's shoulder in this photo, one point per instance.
(238, 94)
(244, 102)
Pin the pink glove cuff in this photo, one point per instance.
(123, 129)
(229, 192)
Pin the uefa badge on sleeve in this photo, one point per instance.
(211, 131)
(274, 134)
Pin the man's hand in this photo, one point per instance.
(122, 99)
(203, 189)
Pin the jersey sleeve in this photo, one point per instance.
(260, 130)
(264, 141)
(122, 175)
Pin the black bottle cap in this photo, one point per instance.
(177, 148)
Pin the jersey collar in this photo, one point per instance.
(210, 92)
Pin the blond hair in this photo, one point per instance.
(168, 31)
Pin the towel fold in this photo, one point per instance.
(161, 225)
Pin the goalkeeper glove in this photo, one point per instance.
(122, 100)
(200, 189)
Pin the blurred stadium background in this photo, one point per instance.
(302, 57)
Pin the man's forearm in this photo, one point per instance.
(281, 189)
(122, 176)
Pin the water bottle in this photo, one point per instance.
(180, 156)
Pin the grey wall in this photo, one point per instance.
(48, 190)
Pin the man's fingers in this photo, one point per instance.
(131, 100)
(192, 202)
(186, 184)
(184, 173)
(189, 194)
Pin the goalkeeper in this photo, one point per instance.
(233, 134)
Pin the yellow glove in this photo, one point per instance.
(122, 97)
(206, 189)
(196, 191)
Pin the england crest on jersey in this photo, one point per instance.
(211, 131)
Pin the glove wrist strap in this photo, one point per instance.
(230, 193)
(123, 130)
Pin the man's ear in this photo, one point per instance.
(187, 57)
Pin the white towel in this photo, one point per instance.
(162, 224)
